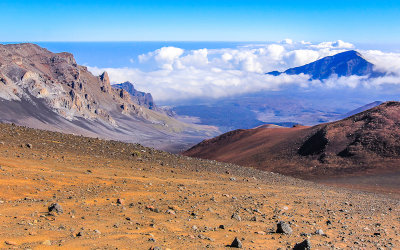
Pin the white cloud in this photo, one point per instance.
(165, 56)
(339, 44)
(178, 74)
(385, 62)
(287, 41)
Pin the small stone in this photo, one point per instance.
(55, 207)
(10, 243)
(120, 201)
(97, 231)
(28, 145)
(46, 243)
(232, 179)
(236, 243)
(305, 245)
(221, 227)
(319, 232)
(236, 217)
(283, 228)
(170, 211)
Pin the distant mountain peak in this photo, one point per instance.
(346, 63)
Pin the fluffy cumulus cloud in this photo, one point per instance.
(339, 44)
(175, 74)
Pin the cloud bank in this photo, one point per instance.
(177, 74)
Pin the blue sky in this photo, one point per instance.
(351, 20)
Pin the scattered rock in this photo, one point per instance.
(305, 245)
(236, 217)
(55, 207)
(283, 228)
(170, 211)
(46, 243)
(236, 243)
(10, 243)
(28, 145)
(155, 248)
(153, 209)
(120, 201)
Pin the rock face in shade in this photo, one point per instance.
(141, 98)
(343, 64)
(46, 90)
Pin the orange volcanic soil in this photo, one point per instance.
(125, 196)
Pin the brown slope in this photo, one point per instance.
(365, 143)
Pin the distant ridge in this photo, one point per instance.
(364, 143)
(141, 98)
(346, 63)
(361, 109)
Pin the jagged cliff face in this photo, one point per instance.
(46, 90)
(27, 71)
(141, 98)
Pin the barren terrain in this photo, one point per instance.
(361, 151)
(125, 196)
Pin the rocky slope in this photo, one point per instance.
(71, 192)
(342, 64)
(365, 143)
(48, 90)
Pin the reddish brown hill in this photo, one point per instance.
(365, 143)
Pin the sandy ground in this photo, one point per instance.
(124, 196)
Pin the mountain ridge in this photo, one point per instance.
(42, 89)
(363, 143)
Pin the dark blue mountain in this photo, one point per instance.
(343, 64)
